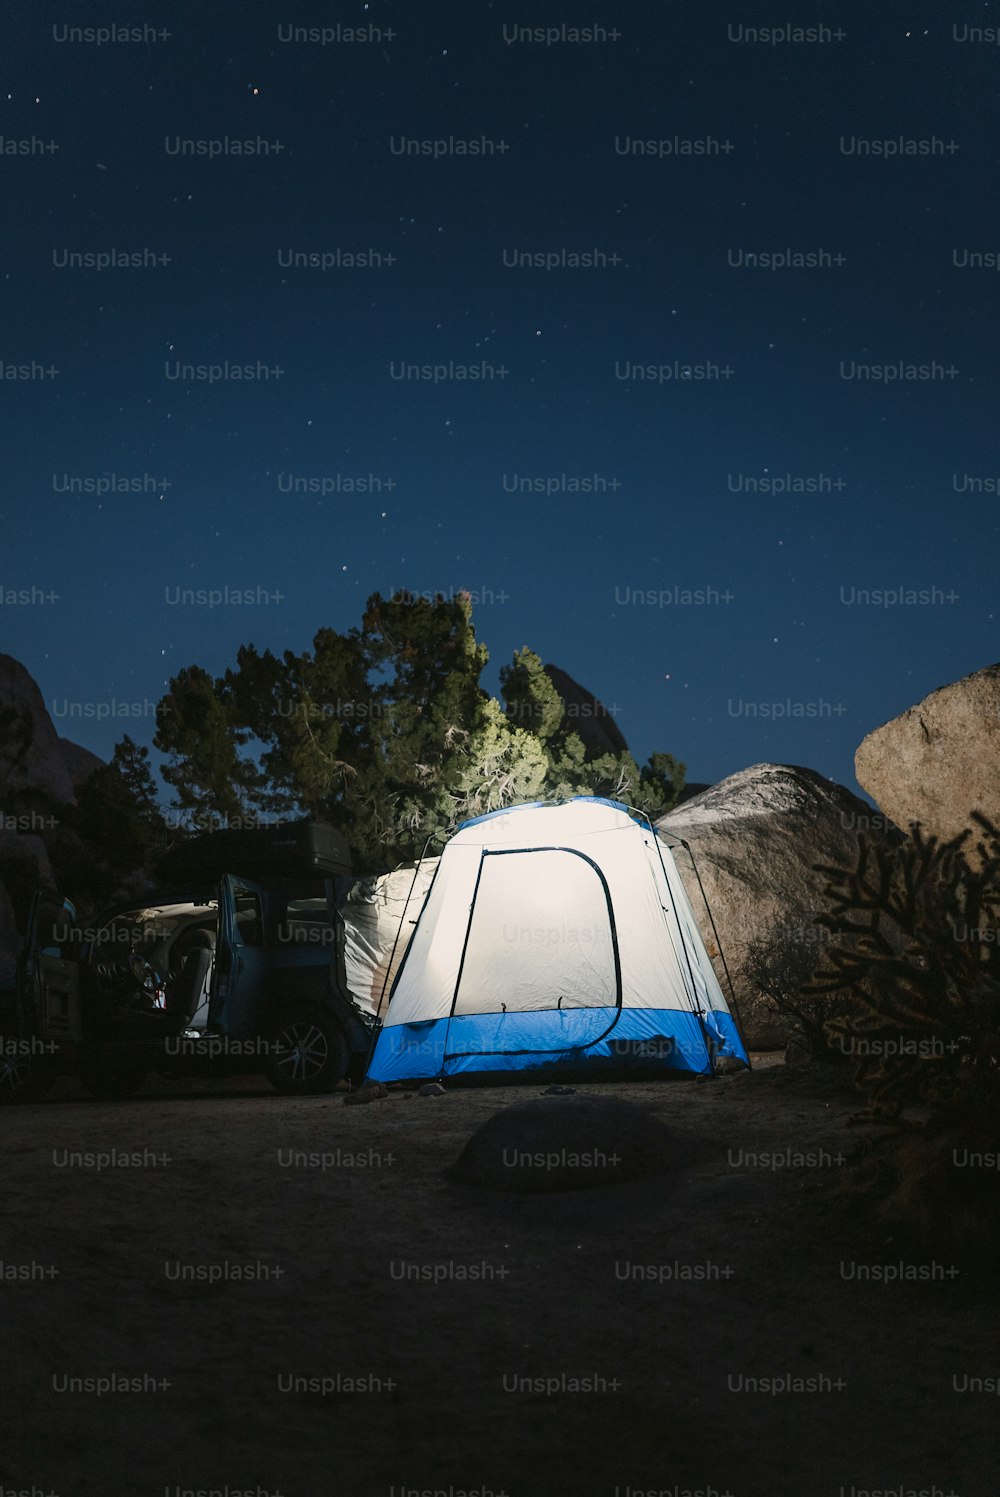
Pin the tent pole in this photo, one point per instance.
(725, 965)
(708, 1039)
(406, 906)
(715, 932)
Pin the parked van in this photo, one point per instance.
(235, 965)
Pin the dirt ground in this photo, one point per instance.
(425, 1305)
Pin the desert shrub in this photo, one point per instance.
(779, 965)
(922, 964)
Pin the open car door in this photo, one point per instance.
(46, 1000)
(239, 981)
(48, 972)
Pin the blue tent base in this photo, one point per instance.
(578, 1041)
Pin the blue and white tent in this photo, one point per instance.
(554, 937)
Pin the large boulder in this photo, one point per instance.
(79, 761)
(29, 852)
(31, 762)
(940, 759)
(754, 837)
(35, 782)
(692, 788)
(587, 717)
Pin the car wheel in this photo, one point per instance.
(307, 1052)
(23, 1078)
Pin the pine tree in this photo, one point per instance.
(386, 731)
(530, 698)
(131, 762)
(200, 730)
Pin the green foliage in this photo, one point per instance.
(501, 766)
(530, 698)
(660, 784)
(114, 829)
(385, 731)
(532, 702)
(780, 965)
(198, 725)
(923, 964)
(922, 922)
(130, 762)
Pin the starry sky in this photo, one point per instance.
(737, 473)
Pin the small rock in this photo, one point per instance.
(366, 1094)
(431, 1089)
(558, 1091)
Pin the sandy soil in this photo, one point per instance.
(750, 1282)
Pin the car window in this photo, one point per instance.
(249, 921)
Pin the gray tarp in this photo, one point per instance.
(375, 911)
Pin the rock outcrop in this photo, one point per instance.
(79, 761)
(39, 776)
(587, 717)
(690, 790)
(939, 760)
(30, 853)
(31, 762)
(755, 836)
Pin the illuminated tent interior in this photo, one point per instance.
(556, 938)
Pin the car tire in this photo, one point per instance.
(23, 1078)
(307, 1052)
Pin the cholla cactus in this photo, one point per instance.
(922, 961)
(780, 965)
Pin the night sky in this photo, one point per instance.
(893, 480)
